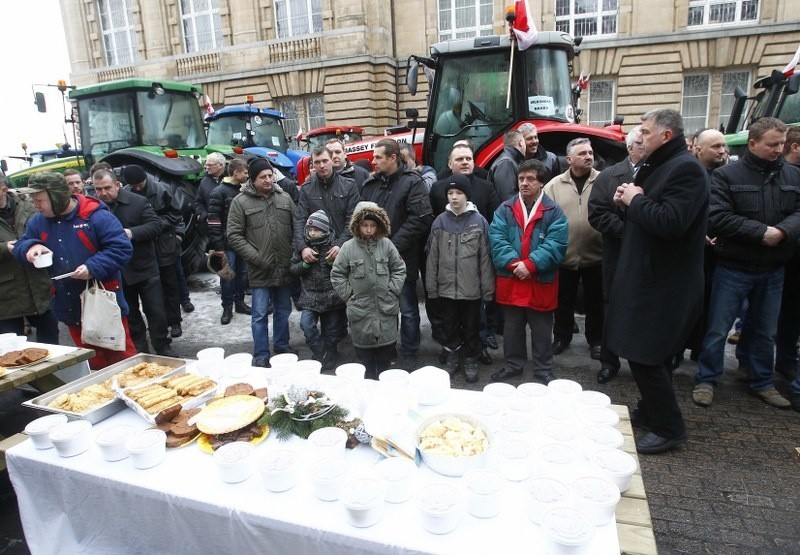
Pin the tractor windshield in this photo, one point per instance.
(107, 123)
(171, 120)
(547, 90)
(232, 130)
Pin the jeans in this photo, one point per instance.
(333, 324)
(282, 307)
(233, 291)
(409, 319)
(183, 287)
(730, 288)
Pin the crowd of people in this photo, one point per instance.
(669, 246)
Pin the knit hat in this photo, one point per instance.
(133, 174)
(256, 166)
(319, 219)
(460, 182)
(56, 187)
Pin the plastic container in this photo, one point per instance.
(597, 437)
(111, 442)
(565, 391)
(212, 353)
(235, 461)
(523, 406)
(351, 371)
(594, 399)
(327, 442)
(430, 385)
(597, 497)
(567, 531)
(558, 460)
(489, 411)
(327, 476)
(44, 260)
(363, 500)
(538, 391)
(440, 506)
(238, 365)
(453, 465)
(283, 360)
(71, 438)
(398, 474)
(561, 432)
(484, 493)
(514, 459)
(599, 415)
(278, 470)
(39, 430)
(499, 389)
(147, 448)
(544, 494)
(616, 466)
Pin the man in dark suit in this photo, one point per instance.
(141, 280)
(606, 217)
(656, 301)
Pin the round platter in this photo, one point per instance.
(229, 414)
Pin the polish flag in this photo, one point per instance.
(583, 82)
(788, 71)
(523, 26)
(209, 107)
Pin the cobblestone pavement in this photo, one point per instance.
(733, 488)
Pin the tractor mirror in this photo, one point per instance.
(411, 76)
(38, 99)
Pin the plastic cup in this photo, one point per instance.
(44, 260)
(238, 365)
(212, 353)
(327, 476)
(484, 493)
(283, 360)
(351, 371)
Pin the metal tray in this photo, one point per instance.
(112, 407)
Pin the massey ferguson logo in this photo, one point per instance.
(352, 148)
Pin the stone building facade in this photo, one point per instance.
(327, 62)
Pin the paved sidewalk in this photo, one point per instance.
(734, 488)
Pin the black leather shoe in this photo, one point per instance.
(242, 308)
(544, 377)
(187, 307)
(261, 363)
(651, 444)
(227, 315)
(175, 330)
(606, 374)
(505, 374)
(491, 341)
(485, 358)
(559, 346)
(595, 352)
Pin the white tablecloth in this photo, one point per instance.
(84, 504)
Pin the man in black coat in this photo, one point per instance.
(606, 217)
(402, 193)
(140, 276)
(503, 172)
(654, 303)
(343, 166)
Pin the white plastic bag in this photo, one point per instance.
(101, 319)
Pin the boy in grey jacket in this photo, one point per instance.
(460, 274)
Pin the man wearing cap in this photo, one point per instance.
(141, 279)
(168, 244)
(260, 231)
(24, 290)
(87, 241)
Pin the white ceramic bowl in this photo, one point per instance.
(597, 437)
(599, 415)
(235, 461)
(111, 442)
(327, 442)
(453, 465)
(615, 465)
(38, 430)
(44, 260)
(566, 531)
(545, 493)
(597, 497)
(278, 470)
(398, 474)
(440, 506)
(72, 438)
(147, 448)
(327, 476)
(363, 501)
(430, 385)
(484, 493)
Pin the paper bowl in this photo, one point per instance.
(566, 530)
(147, 448)
(544, 494)
(235, 461)
(278, 470)
(484, 493)
(453, 465)
(616, 466)
(39, 429)
(440, 507)
(431, 385)
(327, 476)
(597, 497)
(397, 473)
(111, 442)
(363, 500)
(72, 438)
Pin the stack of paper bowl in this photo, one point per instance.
(430, 385)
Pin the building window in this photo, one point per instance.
(720, 12)
(694, 103)
(460, 19)
(118, 35)
(298, 17)
(202, 26)
(586, 18)
(304, 113)
(730, 80)
(601, 102)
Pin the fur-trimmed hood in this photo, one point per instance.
(362, 211)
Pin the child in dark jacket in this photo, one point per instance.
(318, 300)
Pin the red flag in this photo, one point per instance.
(788, 71)
(209, 107)
(583, 82)
(524, 28)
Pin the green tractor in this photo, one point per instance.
(155, 124)
(775, 96)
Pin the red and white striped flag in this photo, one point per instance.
(209, 107)
(788, 71)
(524, 27)
(583, 82)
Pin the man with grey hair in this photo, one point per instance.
(656, 301)
(583, 261)
(503, 172)
(607, 218)
(215, 171)
(535, 151)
